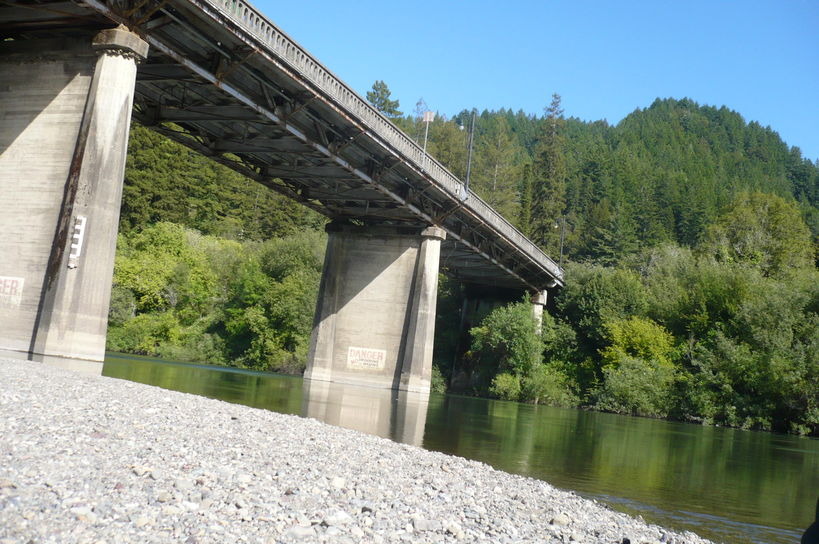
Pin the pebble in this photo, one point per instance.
(338, 517)
(90, 459)
(300, 533)
(142, 521)
(163, 496)
(183, 485)
(420, 524)
(83, 514)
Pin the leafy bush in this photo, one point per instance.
(545, 384)
(437, 380)
(637, 387)
(595, 295)
(198, 298)
(145, 334)
(761, 230)
(508, 338)
(506, 386)
(637, 337)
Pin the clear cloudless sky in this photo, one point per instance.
(605, 59)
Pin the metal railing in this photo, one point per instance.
(261, 29)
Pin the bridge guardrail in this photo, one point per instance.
(254, 22)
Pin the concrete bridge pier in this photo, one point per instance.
(375, 316)
(390, 413)
(66, 110)
(539, 300)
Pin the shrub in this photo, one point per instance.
(508, 338)
(637, 337)
(438, 382)
(505, 386)
(637, 387)
(144, 334)
(545, 384)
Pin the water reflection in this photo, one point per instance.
(728, 485)
(725, 484)
(398, 415)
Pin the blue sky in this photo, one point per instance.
(760, 58)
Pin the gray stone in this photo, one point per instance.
(561, 520)
(163, 496)
(454, 528)
(337, 517)
(183, 485)
(300, 533)
(420, 524)
(143, 521)
(84, 514)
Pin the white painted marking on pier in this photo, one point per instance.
(79, 238)
(11, 291)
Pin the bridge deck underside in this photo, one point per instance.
(216, 88)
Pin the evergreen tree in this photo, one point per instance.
(447, 143)
(524, 219)
(549, 191)
(380, 98)
(497, 166)
(764, 231)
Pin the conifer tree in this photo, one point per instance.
(380, 98)
(524, 218)
(549, 191)
(498, 166)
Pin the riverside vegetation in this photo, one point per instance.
(689, 237)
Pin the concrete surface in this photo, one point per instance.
(375, 315)
(67, 111)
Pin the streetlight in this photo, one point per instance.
(561, 222)
(429, 117)
(469, 155)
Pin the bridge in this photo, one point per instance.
(219, 77)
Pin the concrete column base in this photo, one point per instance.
(398, 415)
(375, 315)
(92, 368)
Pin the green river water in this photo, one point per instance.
(728, 485)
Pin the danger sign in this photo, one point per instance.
(366, 358)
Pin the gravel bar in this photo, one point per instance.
(90, 459)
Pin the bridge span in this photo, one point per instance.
(219, 77)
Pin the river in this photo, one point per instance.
(728, 485)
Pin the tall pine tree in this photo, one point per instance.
(498, 166)
(380, 98)
(549, 190)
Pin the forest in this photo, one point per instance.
(688, 235)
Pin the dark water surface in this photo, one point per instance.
(724, 484)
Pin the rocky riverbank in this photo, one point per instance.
(90, 459)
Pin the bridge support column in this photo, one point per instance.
(375, 316)
(67, 111)
(400, 415)
(538, 307)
